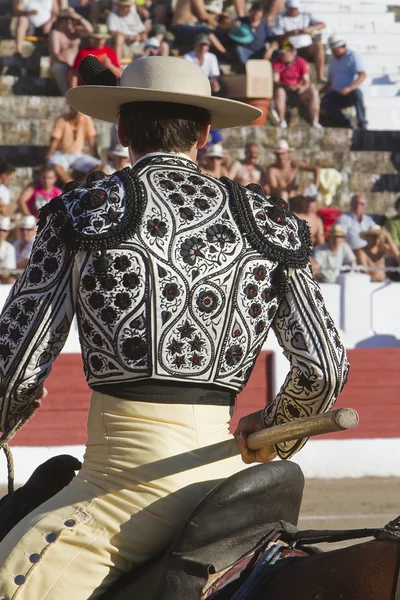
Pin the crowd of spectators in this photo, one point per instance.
(350, 238)
(218, 35)
(220, 38)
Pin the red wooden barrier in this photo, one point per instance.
(373, 389)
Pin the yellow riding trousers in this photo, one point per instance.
(145, 468)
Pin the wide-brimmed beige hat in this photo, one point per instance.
(281, 146)
(336, 231)
(100, 32)
(5, 224)
(161, 79)
(373, 230)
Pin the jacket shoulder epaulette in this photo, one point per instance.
(269, 226)
(98, 214)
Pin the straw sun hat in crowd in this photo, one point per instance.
(5, 224)
(374, 230)
(161, 79)
(336, 231)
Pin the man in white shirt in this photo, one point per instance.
(33, 16)
(300, 28)
(329, 258)
(126, 29)
(206, 60)
(7, 251)
(355, 221)
(23, 246)
(7, 173)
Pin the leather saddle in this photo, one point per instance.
(235, 519)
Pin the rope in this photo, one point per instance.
(10, 468)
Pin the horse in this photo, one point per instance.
(242, 543)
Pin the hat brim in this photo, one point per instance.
(281, 150)
(365, 234)
(99, 36)
(104, 102)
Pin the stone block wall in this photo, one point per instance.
(369, 161)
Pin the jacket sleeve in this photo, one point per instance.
(312, 345)
(34, 326)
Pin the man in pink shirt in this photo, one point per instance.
(64, 42)
(292, 84)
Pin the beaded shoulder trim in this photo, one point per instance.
(269, 226)
(100, 214)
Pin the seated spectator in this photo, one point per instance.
(355, 221)
(282, 177)
(212, 162)
(70, 133)
(346, 74)
(7, 174)
(300, 27)
(7, 251)
(33, 18)
(39, 193)
(248, 170)
(206, 60)
(379, 246)
(306, 209)
(190, 18)
(330, 257)
(119, 159)
(23, 246)
(392, 225)
(97, 47)
(126, 29)
(253, 38)
(64, 41)
(292, 84)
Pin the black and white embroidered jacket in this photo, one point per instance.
(173, 275)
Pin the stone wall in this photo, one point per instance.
(369, 161)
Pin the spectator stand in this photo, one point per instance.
(372, 29)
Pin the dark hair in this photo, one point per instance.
(6, 168)
(167, 126)
(397, 204)
(257, 6)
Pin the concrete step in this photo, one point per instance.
(382, 91)
(37, 132)
(383, 113)
(347, 27)
(365, 4)
(321, 8)
(355, 18)
(8, 47)
(30, 107)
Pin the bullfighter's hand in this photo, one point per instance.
(250, 424)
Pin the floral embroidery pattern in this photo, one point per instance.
(186, 289)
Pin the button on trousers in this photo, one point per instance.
(145, 468)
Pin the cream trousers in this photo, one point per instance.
(145, 468)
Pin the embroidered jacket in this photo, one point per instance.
(173, 275)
